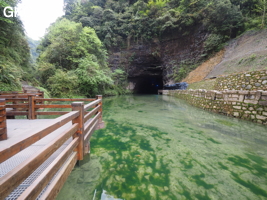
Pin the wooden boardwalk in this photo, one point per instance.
(20, 130)
(39, 154)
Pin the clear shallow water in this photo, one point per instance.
(159, 147)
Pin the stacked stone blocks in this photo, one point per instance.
(255, 80)
(249, 105)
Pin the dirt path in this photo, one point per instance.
(28, 88)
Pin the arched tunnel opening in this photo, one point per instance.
(145, 75)
(147, 84)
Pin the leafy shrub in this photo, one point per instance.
(63, 84)
(214, 42)
(91, 78)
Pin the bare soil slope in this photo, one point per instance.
(204, 69)
(245, 53)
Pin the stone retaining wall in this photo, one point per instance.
(249, 105)
(255, 80)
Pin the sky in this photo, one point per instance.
(37, 15)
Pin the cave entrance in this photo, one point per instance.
(145, 75)
(147, 84)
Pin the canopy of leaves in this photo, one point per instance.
(73, 60)
(143, 20)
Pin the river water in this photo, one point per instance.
(159, 147)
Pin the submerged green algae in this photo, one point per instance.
(170, 150)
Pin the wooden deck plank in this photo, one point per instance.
(25, 135)
(40, 183)
(20, 129)
(27, 153)
(14, 178)
(22, 166)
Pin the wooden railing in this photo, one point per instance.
(30, 104)
(3, 129)
(20, 94)
(84, 118)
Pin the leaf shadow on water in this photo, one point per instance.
(128, 167)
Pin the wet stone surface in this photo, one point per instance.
(159, 147)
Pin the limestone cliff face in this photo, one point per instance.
(159, 58)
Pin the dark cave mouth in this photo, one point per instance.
(147, 84)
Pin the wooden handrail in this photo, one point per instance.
(16, 113)
(92, 104)
(31, 105)
(13, 178)
(40, 183)
(64, 99)
(52, 106)
(89, 125)
(17, 99)
(52, 113)
(3, 128)
(9, 151)
(83, 124)
(55, 186)
(91, 113)
(24, 95)
(17, 106)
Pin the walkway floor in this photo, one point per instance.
(18, 130)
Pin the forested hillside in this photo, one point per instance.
(170, 36)
(33, 44)
(14, 50)
(118, 21)
(104, 46)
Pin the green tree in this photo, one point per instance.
(14, 50)
(92, 79)
(63, 84)
(57, 46)
(261, 8)
(71, 50)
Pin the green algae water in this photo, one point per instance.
(159, 147)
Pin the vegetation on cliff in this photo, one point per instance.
(14, 50)
(118, 21)
(121, 23)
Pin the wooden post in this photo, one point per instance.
(3, 128)
(15, 102)
(100, 110)
(31, 110)
(79, 106)
(101, 124)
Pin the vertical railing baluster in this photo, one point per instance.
(3, 127)
(79, 106)
(31, 110)
(100, 110)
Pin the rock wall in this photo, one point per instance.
(248, 105)
(255, 80)
(161, 56)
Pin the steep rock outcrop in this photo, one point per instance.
(159, 58)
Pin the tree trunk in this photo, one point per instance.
(263, 14)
